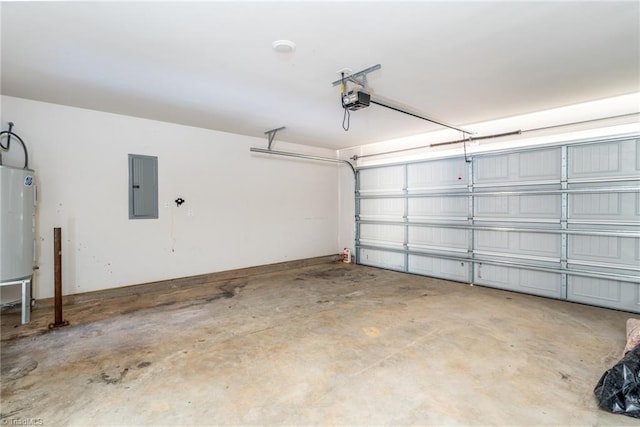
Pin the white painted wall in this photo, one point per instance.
(242, 209)
(595, 125)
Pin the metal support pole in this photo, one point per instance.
(57, 259)
(26, 300)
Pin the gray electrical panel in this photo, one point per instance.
(143, 186)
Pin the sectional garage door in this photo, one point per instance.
(560, 222)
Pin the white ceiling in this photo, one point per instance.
(211, 65)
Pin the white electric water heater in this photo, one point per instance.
(17, 206)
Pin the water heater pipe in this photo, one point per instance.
(9, 134)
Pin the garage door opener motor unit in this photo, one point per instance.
(355, 100)
(360, 97)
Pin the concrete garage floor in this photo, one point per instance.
(326, 344)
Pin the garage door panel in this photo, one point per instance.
(382, 259)
(604, 293)
(521, 207)
(541, 283)
(607, 159)
(494, 206)
(382, 234)
(539, 165)
(438, 207)
(492, 169)
(518, 168)
(519, 280)
(548, 245)
(613, 249)
(390, 209)
(604, 206)
(439, 267)
(382, 180)
(545, 206)
(438, 238)
(595, 159)
(440, 174)
(491, 241)
(513, 243)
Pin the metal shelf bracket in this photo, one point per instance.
(271, 134)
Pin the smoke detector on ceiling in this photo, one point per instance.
(283, 46)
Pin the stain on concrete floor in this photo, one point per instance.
(329, 344)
